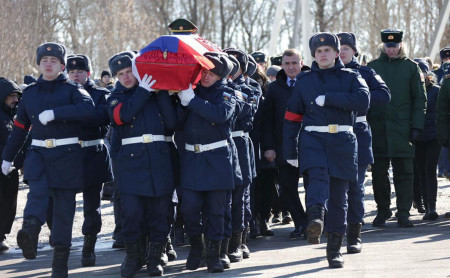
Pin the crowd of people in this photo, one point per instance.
(221, 159)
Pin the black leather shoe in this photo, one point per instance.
(4, 246)
(264, 228)
(381, 218)
(298, 233)
(404, 222)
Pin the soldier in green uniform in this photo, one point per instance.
(395, 127)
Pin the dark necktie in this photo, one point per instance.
(291, 83)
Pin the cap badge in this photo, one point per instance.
(49, 48)
(322, 39)
(340, 38)
(119, 62)
(448, 53)
(391, 37)
(74, 62)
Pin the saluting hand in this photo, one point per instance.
(46, 116)
(186, 95)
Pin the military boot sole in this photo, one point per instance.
(313, 232)
(225, 262)
(25, 243)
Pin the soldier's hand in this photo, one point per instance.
(6, 167)
(46, 116)
(320, 100)
(293, 162)
(147, 83)
(270, 155)
(186, 95)
(414, 135)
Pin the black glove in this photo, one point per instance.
(414, 134)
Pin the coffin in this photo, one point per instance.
(175, 61)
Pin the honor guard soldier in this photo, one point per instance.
(277, 96)
(96, 160)
(379, 96)
(324, 100)
(207, 165)
(444, 54)
(395, 127)
(53, 106)
(10, 94)
(140, 116)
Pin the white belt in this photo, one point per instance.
(51, 143)
(238, 133)
(146, 138)
(330, 128)
(246, 134)
(361, 119)
(90, 143)
(198, 148)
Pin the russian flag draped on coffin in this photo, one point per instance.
(175, 61)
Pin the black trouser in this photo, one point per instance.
(427, 157)
(117, 234)
(288, 177)
(264, 192)
(9, 186)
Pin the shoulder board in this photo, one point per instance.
(103, 90)
(73, 83)
(303, 73)
(365, 68)
(226, 96)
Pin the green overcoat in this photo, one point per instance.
(442, 114)
(391, 124)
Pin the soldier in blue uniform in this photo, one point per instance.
(140, 117)
(53, 106)
(324, 100)
(96, 160)
(379, 95)
(240, 136)
(207, 165)
(10, 94)
(444, 54)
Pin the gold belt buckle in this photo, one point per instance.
(146, 138)
(197, 148)
(49, 143)
(333, 128)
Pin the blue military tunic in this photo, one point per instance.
(97, 164)
(207, 119)
(70, 103)
(379, 95)
(143, 169)
(345, 92)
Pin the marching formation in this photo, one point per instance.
(216, 160)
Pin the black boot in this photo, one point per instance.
(223, 253)
(88, 255)
(264, 228)
(27, 237)
(316, 215)
(334, 255)
(354, 238)
(244, 248)
(431, 213)
(154, 267)
(171, 253)
(213, 256)
(143, 249)
(382, 217)
(254, 228)
(60, 258)
(234, 248)
(132, 263)
(196, 253)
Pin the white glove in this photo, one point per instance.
(320, 100)
(186, 95)
(293, 162)
(147, 83)
(134, 69)
(6, 167)
(46, 116)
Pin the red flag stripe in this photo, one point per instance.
(117, 114)
(293, 117)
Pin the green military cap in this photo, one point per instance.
(182, 25)
(276, 60)
(259, 56)
(391, 37)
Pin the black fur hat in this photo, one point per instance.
(240, 55)
(120, 61)
(222, 65)
(51, 49)
(321, 39)
(78, 62)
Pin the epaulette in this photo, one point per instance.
(303, 73)
(73, 83)
(365, 68)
